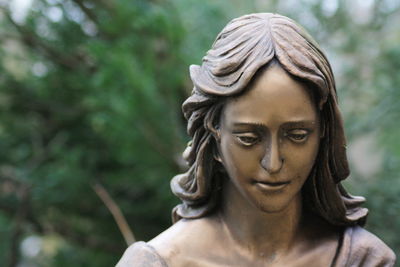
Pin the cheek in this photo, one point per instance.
(301, 159)
(230, 155)
(238, 161)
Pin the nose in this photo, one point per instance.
(272, 160)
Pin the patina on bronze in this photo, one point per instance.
(267, 157)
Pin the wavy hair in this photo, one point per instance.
(244, 46)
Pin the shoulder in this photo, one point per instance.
(140, 254)
(184, 241)
(370, 244)
(361, 248)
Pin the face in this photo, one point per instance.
(268, 140)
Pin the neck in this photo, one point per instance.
(259, 232)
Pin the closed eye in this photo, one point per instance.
(298, 135)
(247, 139)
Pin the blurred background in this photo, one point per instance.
(91, 126)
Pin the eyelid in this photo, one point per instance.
(298, 132)
(244, 133)
(251, 135)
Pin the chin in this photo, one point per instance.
(271, 208)
(274, 205)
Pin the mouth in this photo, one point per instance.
(271, 186)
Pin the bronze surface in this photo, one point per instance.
(266, 160)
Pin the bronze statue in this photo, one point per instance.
(267, 157)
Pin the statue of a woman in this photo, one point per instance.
(267, 158)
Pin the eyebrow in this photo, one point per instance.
(256, 124)
(300, 123)
(303, 123)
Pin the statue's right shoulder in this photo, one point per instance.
(359, 247)
(140, 254)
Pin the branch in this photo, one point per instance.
(116, 212)
(9, 179)
(31, 40)
(88, 241)
(5, 37)
(17, 232)
(10, 210)
(86, 10)
(146, 131)
(107, 4)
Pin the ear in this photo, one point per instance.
(217, 137)
(217, 156)
(215, 131)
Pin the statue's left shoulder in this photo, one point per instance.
(140, 254)
(359, 247)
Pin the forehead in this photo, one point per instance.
(274, 96)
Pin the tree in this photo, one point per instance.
(93, 98)
(90, 95)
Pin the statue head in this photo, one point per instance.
(246, 46)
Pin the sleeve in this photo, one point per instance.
(141, 255)
(361, 248)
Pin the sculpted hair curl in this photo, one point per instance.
(244, 46)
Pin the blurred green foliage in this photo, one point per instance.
(90, 92)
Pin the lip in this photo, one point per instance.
(271, 186)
